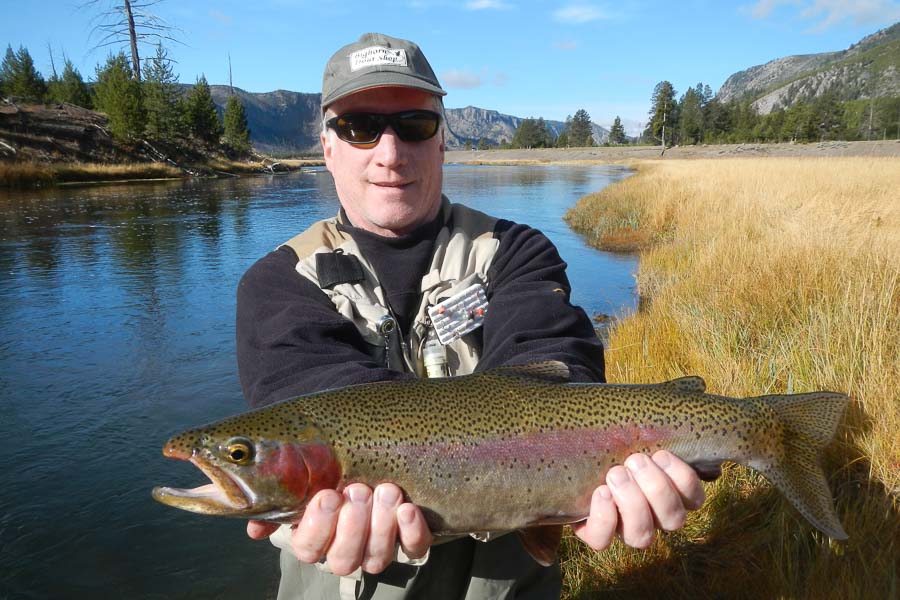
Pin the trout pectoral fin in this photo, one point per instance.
(542, 542)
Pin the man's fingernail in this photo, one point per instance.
(636, 462)
(604, 492)
(618, 476)
(329, 502)
(662, 459)
(359, 495)
(387, 496)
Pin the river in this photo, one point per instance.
(117, 330)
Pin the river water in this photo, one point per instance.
(117, 330)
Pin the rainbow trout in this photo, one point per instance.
(512, 449)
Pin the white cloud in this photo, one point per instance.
(764, 8)
(466, 79)
(579, 13)
(565, 45)
(826, 13)
(461, 79)
(487, 5)
(220, 17)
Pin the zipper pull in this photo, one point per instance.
(386, 327)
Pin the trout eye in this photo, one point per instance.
(240, 452)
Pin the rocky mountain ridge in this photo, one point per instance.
(285, 122)
(869, 68)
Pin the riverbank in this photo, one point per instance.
(764, 276)
(43, 147)
(35, 174)
(627, 154)
(47, 144)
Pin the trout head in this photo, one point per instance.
(255, 473)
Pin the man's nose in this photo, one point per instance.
(389, 152)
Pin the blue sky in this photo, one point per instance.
(538, 58)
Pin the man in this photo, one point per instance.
(346, 301)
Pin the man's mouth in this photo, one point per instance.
(392, 184)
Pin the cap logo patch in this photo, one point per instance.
(377, 56)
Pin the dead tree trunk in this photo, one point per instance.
(135, 58)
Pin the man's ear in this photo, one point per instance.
(326, 149)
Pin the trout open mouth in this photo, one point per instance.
(221, 497)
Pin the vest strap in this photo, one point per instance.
(333, 268)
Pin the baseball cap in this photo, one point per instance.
(377, 60)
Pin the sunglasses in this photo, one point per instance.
(360, 128)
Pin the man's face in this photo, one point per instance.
(395, 186)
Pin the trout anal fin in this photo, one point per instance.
(542, 542)
(708, 470)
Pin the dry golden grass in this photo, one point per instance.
(30, 173)
(23, 174)
(764, 276)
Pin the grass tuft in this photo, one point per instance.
(764, 276)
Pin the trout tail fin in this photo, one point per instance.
(809, 422)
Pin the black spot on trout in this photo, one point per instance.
(463, 448)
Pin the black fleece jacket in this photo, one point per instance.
(292, 341)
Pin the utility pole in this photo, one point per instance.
(665, 113)
(871, 111)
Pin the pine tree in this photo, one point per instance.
(662, 112)
(580, 130)
(532, 133)
(545, 138)
(161, 98)
(617, 132)
(118, 95)
(690, 121)
(200, 113)
(236, 134)
(70, 87)
(19, 78)
(7, 68)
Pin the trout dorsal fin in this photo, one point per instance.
(547, 370)
(689, 385)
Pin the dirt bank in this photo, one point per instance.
(615, 154)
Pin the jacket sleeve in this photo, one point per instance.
(529, 317)
(290, 338)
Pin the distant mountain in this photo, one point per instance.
(284, 122)
(280, 122)
(869, 68)
(471, 124)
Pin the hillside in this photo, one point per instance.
(869, 68)
(284, 122)
(281, 122)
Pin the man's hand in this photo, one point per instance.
(356, 528)
(645, 495)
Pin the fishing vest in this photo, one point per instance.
(463, 252)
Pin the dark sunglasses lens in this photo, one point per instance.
(358, 128)
(366, 128)
(416, 126)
